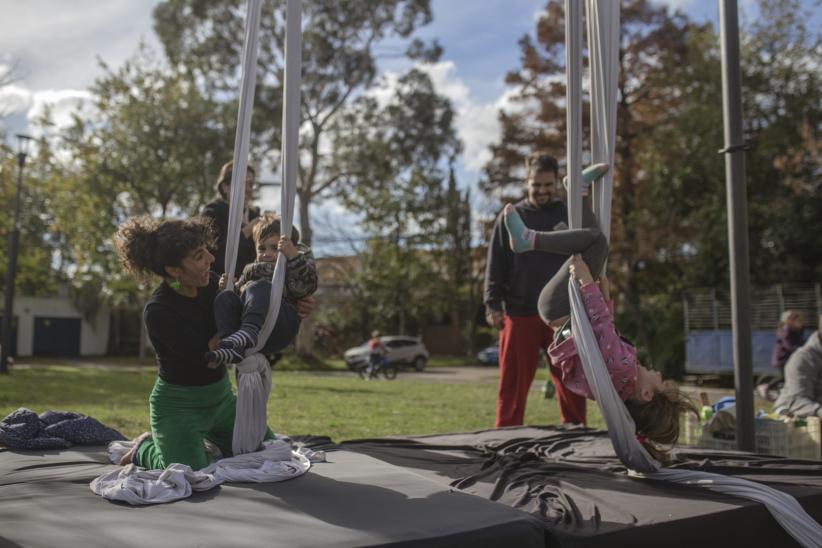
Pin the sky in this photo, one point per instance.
(56, 47)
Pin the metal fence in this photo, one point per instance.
(707, 314)
(710, 308)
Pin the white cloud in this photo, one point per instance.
(14, 99)
(676, 4)
(385, 90)
(477, 124)
(62, 103)
(55, 43)
(537, 14)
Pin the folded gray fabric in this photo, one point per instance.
(24, 429)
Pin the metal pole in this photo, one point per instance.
(573, 108)
(11, 271)
(737, 223)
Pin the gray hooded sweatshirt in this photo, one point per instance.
(802, 394)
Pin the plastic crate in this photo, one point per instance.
(799, 439)
(692, 431)
(795, 438)
(709, 442)
(692, 434)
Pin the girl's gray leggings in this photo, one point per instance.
(588, 241)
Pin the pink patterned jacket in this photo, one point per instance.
(619, 356)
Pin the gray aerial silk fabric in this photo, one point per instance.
(252, 387)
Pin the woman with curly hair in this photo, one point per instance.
(192, 399)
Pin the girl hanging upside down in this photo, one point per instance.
(655, 405)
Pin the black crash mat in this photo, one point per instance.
(352, 500)
(572, 481)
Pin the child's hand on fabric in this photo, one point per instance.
(212, 343)
(304, 307)
(222, 282)
(580, 271)
(287, 247)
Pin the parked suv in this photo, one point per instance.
(401, 351)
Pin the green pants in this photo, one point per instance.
(182, 417)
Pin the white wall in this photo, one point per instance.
(93, 335)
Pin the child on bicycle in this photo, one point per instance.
(376, 354)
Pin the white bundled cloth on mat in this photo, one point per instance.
(603, 36)
(275, 462)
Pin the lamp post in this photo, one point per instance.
(23, 143)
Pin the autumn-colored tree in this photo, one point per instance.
(669, 209)
(653, 42)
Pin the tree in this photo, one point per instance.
(153, 145)
(340, 41)
(158, 139)
(395, 154)
(35, 275)
(394, 159)
(462, 283)
(8, 75)
(783, 119)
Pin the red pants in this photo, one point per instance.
(520, 343)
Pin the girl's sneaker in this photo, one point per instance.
(521, 238)
(590, 174)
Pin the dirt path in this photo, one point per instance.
(462, 374)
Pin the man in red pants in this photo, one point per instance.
(512, 286)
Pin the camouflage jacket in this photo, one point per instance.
(300, 274)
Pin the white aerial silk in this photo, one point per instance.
(603, 27)
(603, 59)
(252, 386)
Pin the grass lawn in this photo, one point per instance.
(333, 402)
(290, 362)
